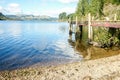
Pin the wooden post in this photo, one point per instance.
(70, 36)
(81, 30)
(115, 17)
(89, 23)
(69, 22)
(70, 26)
(78, 34)
(76, 21)
(90, 31)
(77, 26)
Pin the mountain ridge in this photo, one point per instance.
(27, 17)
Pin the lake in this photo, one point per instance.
(29, 43)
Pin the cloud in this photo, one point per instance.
(68, 9)
(1, 9)
(51, 12)
(56, 12)
(68, 1)
(14, 8)
(36, 13)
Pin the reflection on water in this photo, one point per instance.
(29, 43)
(15, 30)
(90, 52)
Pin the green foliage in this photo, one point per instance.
(72, 16)
(105, 37)
(95, 7)
(62, 16)
(82, 8)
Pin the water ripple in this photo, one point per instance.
(23, 45)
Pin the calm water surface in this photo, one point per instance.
(27, 43)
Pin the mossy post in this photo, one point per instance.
(78, 32)
(70, 26)
(115, 17)
(77, 27)
(81, 30)
(90, 30)
(76, 21)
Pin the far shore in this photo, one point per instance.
(99, 69)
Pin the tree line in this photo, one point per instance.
(64, 16)
(95, 7)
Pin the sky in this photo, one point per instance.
(37, 7)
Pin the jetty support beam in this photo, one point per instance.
(90, 30)
(70, 26)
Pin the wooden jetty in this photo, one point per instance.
(93, 23)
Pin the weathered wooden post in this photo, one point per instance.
(115, 17)
(77, 28)
(78, 33)
(76, 21)
(90, 30)
(81, 30)
(70, 26)
(69, 20)
(70, 36)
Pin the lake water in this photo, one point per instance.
(28, 43)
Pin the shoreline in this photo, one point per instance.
(99, 69)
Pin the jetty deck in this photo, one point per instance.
(101, 23)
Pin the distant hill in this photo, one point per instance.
(26, 17)
(2, 17)
(31, 17)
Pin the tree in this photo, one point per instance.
(62, 16)
(72, 16)
(95, 7)
(82, 8)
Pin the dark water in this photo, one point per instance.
(27, 43)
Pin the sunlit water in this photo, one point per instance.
(28, 43)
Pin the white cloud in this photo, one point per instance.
(1, 9)
(56, 12)
(68, 1)
(51, 12)
(68, 9)
(14, 8)
(36, 13)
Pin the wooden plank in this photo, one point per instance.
(113, 24)
(101, 23)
